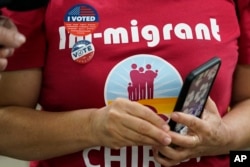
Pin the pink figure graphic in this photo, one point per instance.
(150, 76)
(131, 92)
(134, 75)
(142, 84)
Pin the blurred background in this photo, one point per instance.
(10, 162)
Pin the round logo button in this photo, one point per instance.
(82, 52)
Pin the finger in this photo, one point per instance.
(185, 141)
(3, 64)
(211, 106)
(145, 113)
(193, 123)
(163, 158)
(137, 139)
(122, 135)
(145, 132)
(6, 52)
(11, 38)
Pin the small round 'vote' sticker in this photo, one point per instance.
(81, 20)
(82, 52)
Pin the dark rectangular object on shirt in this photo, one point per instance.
(23, 5)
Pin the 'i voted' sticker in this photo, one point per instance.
(81, 20)
(82, 52)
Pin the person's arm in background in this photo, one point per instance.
(10, 38)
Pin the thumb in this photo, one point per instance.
(9, 36)
(210, 107)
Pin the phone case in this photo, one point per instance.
(195, 91)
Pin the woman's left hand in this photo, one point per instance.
(206, 136)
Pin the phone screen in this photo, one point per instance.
(195, 91)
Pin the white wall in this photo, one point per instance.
(10, 162)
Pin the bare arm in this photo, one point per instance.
(26, 133)
(29, 134)
(238, 118)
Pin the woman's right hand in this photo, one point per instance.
(126, 123)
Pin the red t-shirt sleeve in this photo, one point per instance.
(244, 21)
(32, 53)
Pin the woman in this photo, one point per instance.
(84, 59)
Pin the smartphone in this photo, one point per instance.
(195, 91)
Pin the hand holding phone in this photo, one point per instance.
(195, 91)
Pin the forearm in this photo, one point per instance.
(238, 123)
(238, 118)
(30, 135)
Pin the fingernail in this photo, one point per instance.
(174, 116)
(165, 128)
(167, 140)
(5, 52)
(20, 38)
(3, 64)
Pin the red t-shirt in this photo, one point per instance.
(96, 51)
